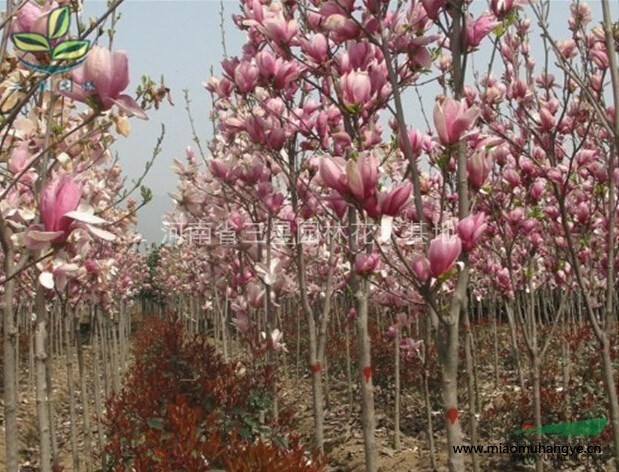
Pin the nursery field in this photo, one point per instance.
(186, 394)
(389, 244)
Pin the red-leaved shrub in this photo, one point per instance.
(183, 409)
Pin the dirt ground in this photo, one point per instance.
(344, 441)
(27, 419)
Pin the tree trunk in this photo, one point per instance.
(348, 370)
(537, 409)
(447, 344)
(10, 371)
(365, 376)
(360, 289)
(97, 356)
(42, 395)
(426, 392)
(611, 388)
(470, 370)
(493, 313)
(84, 398)
(73, 417)
(396, 410)
(50, 400)
(514, 339)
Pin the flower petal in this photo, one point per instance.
(101, 233)
(85, 217)
(47, 280)
(386, 225)
(129, 105)
(43, 236)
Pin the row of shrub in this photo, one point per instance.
(183, 409)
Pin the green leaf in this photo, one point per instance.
(72, 50)
(30, 42)
(155, 423)
(499, 30)
(57, 129)
(443, 161)
(146, 193)
(535, 212)
(58, 22)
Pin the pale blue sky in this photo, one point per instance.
(181, 40)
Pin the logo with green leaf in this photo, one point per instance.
(592, 427)
(58, 53)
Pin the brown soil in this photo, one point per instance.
(27, 419)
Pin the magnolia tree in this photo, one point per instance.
(512, 178)
(552, 178)
(300, 111)
(67, 223)
(320, 197)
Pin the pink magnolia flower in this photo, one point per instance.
(371, 207)
(432, 7)
(537, 189)
(220, 169)
(279, 29)
(366, 263)
(332, 174)
(102, 79)
(272, 273)
(470, 229)
(555, 175)
(452, 119)
(32, 17)
(356, 88)
(362, 176)
(285, 73)
(402, 320)
(61, 196)
(274, 202)
(246, 76)
(502, 7)
(511, 177)
(266, 63)
(410, 348)
(478, 29)
(241, 322)
(357, 180)
(255, 295)
(20, 157)
(237, 221)
(600, 58)
(478, 168)
(415, 138)
(59, 209)
(442, 253)
(421, 268)
(338, 204)
(59, 274)
(580, 15)
(92, 267)
(276, 340)
(582, 212)
(567, 48)
(391, 202)
(317, 48)
(341, 27)
(221, 87)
